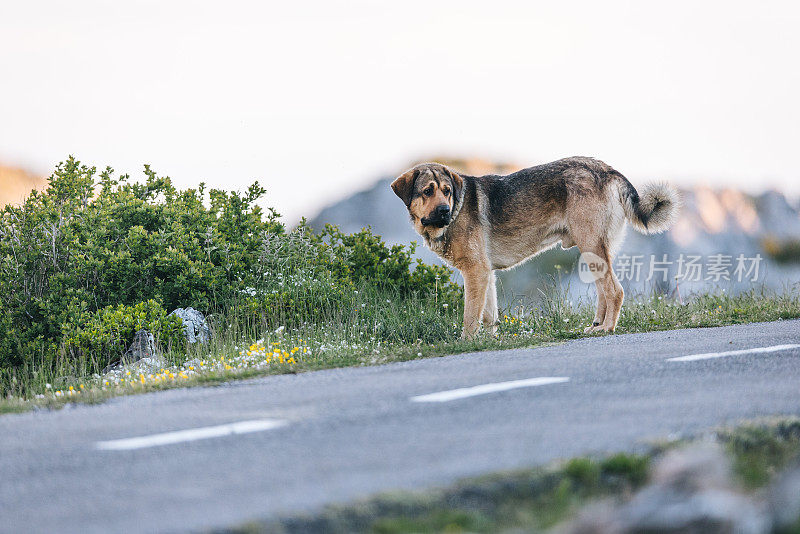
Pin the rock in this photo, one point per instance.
(694, 468)
(195, 327)
(784, 499)
(143, 347)
(691, 492)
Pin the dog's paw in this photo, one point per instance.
(592, 329)
(598, 328)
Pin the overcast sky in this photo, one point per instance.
(315, 99)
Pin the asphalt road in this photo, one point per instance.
(333, 436)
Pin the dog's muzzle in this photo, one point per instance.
(439, 217)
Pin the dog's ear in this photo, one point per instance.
(458, 183)
(403, 186)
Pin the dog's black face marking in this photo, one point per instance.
(432, 200)
(438, 217)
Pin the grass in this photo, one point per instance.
(376, 328)
(539, 498)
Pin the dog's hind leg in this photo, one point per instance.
(490, 307)
(614, 297)
(612, 293)
(600, 313)
(609, 290)
(476, 282)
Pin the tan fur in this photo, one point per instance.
(499, 222)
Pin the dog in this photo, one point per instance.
(485, 223)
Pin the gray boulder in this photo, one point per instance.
(784, 499)
(691, 492)
(195, 327)
(143, 348)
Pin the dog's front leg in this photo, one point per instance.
(476, 282)
(490, 309)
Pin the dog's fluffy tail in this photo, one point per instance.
(653, 210)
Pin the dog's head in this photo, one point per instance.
(430, 191)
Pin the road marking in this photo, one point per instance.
(709, 355)
(483, 389)
(192, 434)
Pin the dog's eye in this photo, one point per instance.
(428, 191)
(446, 191)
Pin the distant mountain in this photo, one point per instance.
(16, 184)
(719, 225)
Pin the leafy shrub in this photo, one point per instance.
(86, 261)
(363, 257)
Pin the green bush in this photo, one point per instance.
(87, 261)
(363, 257)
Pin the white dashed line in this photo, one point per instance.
(710, 355)
(483, 389)
(192, 434)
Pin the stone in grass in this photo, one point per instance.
(141, 355)
(785, 500)
(195, 327)
(691, 492)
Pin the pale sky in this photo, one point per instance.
(316, 99)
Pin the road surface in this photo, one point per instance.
(200, 458)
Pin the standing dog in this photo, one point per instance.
(480, 224)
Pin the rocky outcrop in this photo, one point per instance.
(195, 327)
(691, 491)
(142, 355)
